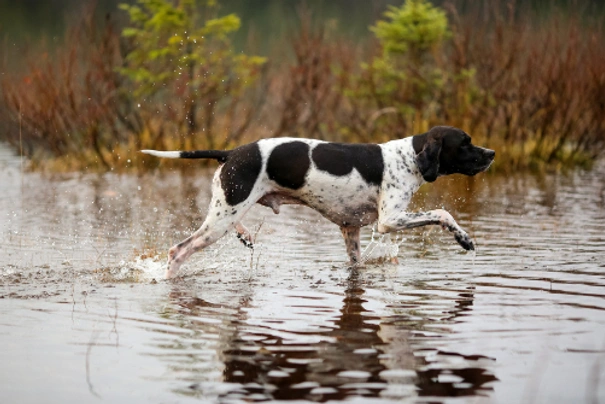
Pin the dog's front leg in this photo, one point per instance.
(405, 220)
(243, 234)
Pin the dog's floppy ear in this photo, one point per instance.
(428, 158)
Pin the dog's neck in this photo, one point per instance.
(401, 159)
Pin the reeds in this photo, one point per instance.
(70, 103)
(533, 90)
(541, 89)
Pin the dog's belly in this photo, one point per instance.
(349, 215)
(345, 200)
(345, 208)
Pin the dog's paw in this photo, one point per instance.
(245, 241)
(173, 264)
(464, 240)
(169, 274)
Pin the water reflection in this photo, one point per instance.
(317, 349)
(345, 362)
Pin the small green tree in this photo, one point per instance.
(183, 63)
(413, 29)
(407, 83)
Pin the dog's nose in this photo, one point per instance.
(491, 153)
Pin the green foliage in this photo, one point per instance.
(183, 66)
(170, 41)
(409, 76)
(413, 28)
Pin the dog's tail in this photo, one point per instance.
(219, 155)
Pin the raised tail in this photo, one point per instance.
(219, 155)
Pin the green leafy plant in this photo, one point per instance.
(182, 62)
(408, 84)
(413, 29)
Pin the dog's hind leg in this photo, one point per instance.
(351, 236)
(206, 235)
(219, 222)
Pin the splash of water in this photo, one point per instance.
(140, 270)
(381, 248)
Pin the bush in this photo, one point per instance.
(186, 74)
(307, 92)
(67, 105)
(534, 92)
(171, 80)
(408, 85)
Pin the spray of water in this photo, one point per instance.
(381, 248)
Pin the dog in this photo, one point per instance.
(351, 185)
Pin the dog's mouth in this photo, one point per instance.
(488, 165)
(487, 159)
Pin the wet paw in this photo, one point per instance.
(464, 240)
(173, 264)
(245, 241)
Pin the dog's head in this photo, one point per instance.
(446, 150)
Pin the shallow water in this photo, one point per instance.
(85, 314)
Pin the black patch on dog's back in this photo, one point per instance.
(339, 159)
(288, 164)
(240, 172)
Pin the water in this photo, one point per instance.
(86, 316)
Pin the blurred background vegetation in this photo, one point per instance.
(85, 84)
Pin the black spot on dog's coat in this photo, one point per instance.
(339, 159)
(240, 172)
(288, 164)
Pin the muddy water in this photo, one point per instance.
(86, 316)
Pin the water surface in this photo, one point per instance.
(85, 314)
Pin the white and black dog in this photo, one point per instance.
(352, 185)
